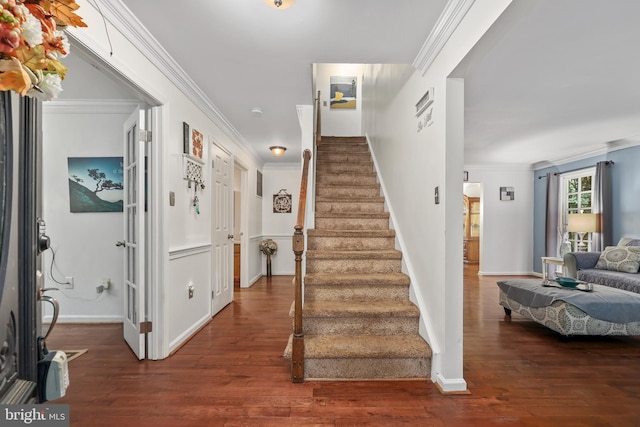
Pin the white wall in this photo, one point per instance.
(339, 122)
(506, 234)
(183, 237)
(412, 164)
(279, 226)
(84, 243)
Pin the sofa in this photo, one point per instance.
(616, 266)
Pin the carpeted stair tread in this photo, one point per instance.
(358, 320)
(346, 279)
(381, 254)
(371, 346)
(369, 309)
(365, 215)
(316, 232)
(328, 199)
(331, 185)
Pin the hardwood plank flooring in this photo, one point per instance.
(232, 374)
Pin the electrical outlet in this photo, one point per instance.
(191, 289)
(68, 282)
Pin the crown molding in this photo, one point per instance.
(449, 19)
(606, 148)
(500, 167)
(131, 28)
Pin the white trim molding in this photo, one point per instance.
(181, 252)
(90, 106)
(451, 16)
(451, 385)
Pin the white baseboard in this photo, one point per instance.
(183, 337)
(451, 385)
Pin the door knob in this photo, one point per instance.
(120, 243)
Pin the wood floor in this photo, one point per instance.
(232, 374)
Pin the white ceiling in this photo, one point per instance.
(550, 80)
(553, 80)
(244, 54)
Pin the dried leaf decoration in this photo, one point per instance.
(33, 58)
(63, 12)
(14, 77)
(30, 59)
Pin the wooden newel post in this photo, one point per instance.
(297, 350)
(297, 354)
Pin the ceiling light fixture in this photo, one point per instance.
(256, 112)
(277, 150)
(279, 4)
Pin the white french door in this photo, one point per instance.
(134, 232)
(221, 229)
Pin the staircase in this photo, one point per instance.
(357, 318)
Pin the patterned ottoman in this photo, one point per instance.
(604, 311)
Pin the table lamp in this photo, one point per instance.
(582, 224)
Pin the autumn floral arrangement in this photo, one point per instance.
(268, 247)
(32, 44)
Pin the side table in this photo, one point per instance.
(550, 260)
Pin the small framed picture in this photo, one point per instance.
(186, 138)
(259, 184)
(507, 194)
(196, 148)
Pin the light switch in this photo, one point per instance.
(172, 198)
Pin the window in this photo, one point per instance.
(576, 196)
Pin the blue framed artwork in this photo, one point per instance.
(95, 184)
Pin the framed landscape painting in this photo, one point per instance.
(95, 184)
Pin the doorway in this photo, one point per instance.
(87, 122)
(472, 222)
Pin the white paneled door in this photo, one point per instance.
(221, 228)
(134, 238)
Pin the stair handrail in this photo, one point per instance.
(318, 121)
(297, 345)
